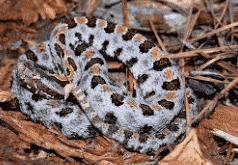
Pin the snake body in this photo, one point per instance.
(64, 82)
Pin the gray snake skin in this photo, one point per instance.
(64, 82)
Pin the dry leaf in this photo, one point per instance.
(188, 152)
(224, 118)
(29, 10)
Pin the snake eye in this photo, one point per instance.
(31, 55)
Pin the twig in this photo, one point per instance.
(158, 38)
(125, 13)
(214, 32)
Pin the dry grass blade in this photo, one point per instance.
(230, 155)
(225, 135)
(194, 53)
(91, 6)
(228, 66)
(213, 32)
(125, 13)
(209, 62)
(207, 79)
(190, 24)
(158, 38)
